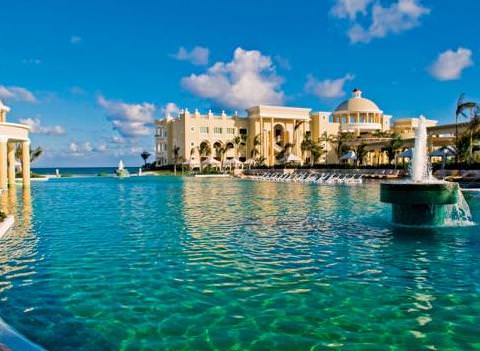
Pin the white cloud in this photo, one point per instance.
(198, 55)
(36, 127)
(249, 79)
(130, 120)
(16, 94)
(450, 64)
(85, 148)
(328, 88)
(75, 39)
(169, 109)
(350, 8)
(118, 140)
(400, 16)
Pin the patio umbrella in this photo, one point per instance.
(350, 155)
(211, 162)
(443, 152)
(292, 158)
(234, 162)
(192, 163)
(406, 154)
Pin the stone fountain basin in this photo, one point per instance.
(420, 204)
(441, 193)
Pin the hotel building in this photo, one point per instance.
(268, 131)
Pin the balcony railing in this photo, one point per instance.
(361, 126)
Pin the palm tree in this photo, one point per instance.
(361, 152)
(326, 139)
(313, 148)
(205, 149)
(306, 145)
(221, 151)
(238, 141)
(286, 150)
(35, 153)
(394, 145)
(473, 131)
(461, 111)
(145, 155)
(297, 125)
(176, 157)
(256, 143)
(316, 152)
(341, 142)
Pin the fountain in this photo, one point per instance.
(424, 200)
(121, 171)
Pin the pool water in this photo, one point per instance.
(164, 263)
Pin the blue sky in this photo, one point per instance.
(90, 76)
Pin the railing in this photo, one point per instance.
(360, 125)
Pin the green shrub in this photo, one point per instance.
(3, 215)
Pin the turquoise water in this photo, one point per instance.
(220, 264)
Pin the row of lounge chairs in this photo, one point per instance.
(312, 178)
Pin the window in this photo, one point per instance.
(217, 130)
(192, 129)
(242, 131)
(192, 144)
(204, 130)
(230, 130)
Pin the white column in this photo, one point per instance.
(3, 162)
(11, 163)
(26, 163)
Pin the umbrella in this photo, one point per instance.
(442, 152)
(211, 162)
(192, 163)
(350, 155)
(234, 162)
(406, 154)
(292, 158)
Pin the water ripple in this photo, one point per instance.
(219, 264)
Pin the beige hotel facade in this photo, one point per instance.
(268, 129)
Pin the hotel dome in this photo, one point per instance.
(359, 115)
(357, 104)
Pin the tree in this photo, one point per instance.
(221, 151)
(326, 139)
(256, 143)
(394, 145)
(205, 149)
(313, 148)
(35, 153)
(341, 142)
(145, 155)
(238, 141)
(176, 157)
(464, 109)
(286, 150)
(361, 152)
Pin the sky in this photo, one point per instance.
(90, 77)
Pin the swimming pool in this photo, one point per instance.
(171, 263)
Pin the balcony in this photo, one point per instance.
(362, 126)
(14, 131)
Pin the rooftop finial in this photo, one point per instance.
(357, 93)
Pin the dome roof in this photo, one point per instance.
(358, 104)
